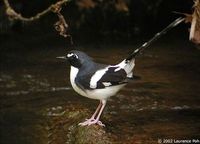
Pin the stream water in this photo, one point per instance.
(164, 104)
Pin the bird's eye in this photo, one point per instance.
(75, 56)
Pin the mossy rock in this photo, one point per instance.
(93, 134)
(64, 128)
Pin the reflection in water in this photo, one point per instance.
(31, 85)
(163, 104)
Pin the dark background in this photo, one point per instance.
(100, 22)
(33, 83)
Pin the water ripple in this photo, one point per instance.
(24, 84)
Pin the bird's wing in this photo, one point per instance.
(113, 76)
(109, 76)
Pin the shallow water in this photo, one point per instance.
(164, 104)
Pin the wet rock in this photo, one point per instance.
(89, 134)
(63, 127)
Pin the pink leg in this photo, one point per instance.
(97, 110)
(93, 116)
(96, 121)
(92, 120)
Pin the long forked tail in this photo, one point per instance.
(157, 36)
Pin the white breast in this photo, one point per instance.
(73, 73)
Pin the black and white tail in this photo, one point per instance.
(157, 36)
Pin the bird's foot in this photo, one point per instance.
(86, 122)
(91, 121)
(100, 123)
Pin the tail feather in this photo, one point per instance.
(156, 37)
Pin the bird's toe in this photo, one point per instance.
(101, 124)
(96, 122)
(87, 122)
(91, 122)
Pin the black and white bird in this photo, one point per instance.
(100, 81)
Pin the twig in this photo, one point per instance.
(61, 26)
(12, 14)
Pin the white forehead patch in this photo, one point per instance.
(69, 55)
(72, 54)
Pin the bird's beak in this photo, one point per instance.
(61, 57)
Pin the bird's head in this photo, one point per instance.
(76, 58)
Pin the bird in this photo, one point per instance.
(101, 81)
(98, 81)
